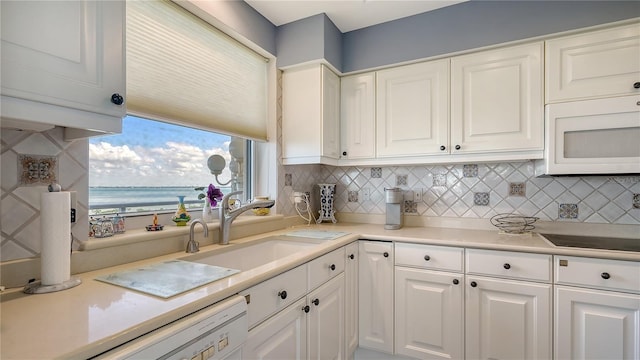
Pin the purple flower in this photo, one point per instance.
(214, 195)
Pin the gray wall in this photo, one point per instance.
(312, 38)
(470, 25)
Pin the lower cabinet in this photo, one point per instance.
(507, 319)
(429, 314)
(326, 340)
(283, 336)
(375, 295)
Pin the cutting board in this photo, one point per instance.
(168, 278)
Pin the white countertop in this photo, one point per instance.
(94, 317)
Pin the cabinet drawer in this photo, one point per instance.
(269, 297)
(326, 267)
(598, 273)
(429, 256)
(509, 264)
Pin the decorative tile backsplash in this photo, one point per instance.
(30, 162)
(481, 191)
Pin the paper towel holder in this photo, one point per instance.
(36, 287)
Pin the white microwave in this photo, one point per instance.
(599, 136)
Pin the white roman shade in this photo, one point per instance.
(181, 69)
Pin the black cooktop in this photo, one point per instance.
(592, 242)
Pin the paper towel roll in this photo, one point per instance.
(55, 227)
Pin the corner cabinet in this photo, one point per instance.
(375, 295)
(310, 116)
(63, 65)
(497, 101)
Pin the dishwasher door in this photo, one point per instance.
(216, 332)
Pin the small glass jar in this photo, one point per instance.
(118, 224)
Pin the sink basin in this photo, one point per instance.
(255, 254)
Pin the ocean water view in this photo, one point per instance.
(108, 200)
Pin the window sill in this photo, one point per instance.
(242, 226)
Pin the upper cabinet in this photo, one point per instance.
(310, 116)
(412, 107)
(497, 101)
(63, 65)
(597, 64)
(358, 116)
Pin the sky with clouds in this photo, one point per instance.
(151, 153)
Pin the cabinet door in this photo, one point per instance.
(326, 321)
(283, 336)
(412, 109)
(358, 116)
(429, 318)
(496, 100)
(593, 65)
(66, 53)
(507, 319)
(351, 299)
(375, 295)
(592, 324)
(330, 114)
(310, 115)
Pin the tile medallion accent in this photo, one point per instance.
(288, 180)
(517, 189)
(440, 180)
(352, 196)
(37, 169)
(568, 211)
(636, 201)
(401, 180)
(376, 172)
(470, 170)
(410, 207)
(481, 198)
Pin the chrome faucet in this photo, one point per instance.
(227, 215)
(193, 246)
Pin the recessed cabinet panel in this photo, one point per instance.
(496, 100)
(375, 295)
(413, 109)
(429, 316)
(507, 319)
(65, 53)
(357, 119)
(597, 64)
(592, 324)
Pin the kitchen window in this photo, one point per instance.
(144, 169)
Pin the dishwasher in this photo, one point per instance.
(216, 332)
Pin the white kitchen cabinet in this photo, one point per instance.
(358, 116)
(310, 116)
(412, 109)
(351, 299)
(595, 324)
(505, 318)
(61, 64)
(326, 339)
(596, 64)
(597, 309)
(497, 101)
(375, 295)
(429, 314)
(283, 336)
